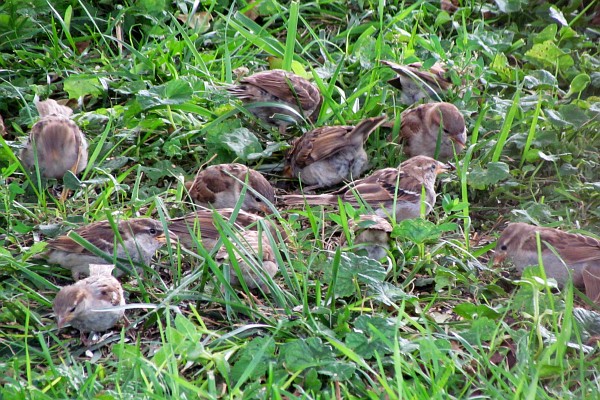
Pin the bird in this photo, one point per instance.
(390, 192)
(56, 142)
(421, 126)
(200, 226)
(328, 155)
(87, 304)
(417, 84)
(292, 96)
(580, 255)
(255, 258)
(141, 238)
(220, 186)
(371, 235)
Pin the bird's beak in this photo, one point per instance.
(63, 320)
(162, 239)
(442, 167)
(460, 139)
(499, 259)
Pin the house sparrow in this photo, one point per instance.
(141, 238)
(217, 186)
(258, 251)
(56, 142)
(417, 84)
(371, 235)
(421, 126)
(581, 254)
(285, 88)
(330, 154)
(387, 188)
(200, 225)
(86, 305)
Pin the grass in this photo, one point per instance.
(436, 321)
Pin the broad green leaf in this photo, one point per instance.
(494, 172)
(173, 92)
(579, 83)
(419, 230)
(242, 142)
(354, 267)
(548, 33)
(549, 54)
(82, 85)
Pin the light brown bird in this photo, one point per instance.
(580, 255)
(141, 238)
(371, 236)
(298, 98)
(417, 84)
(329, 155)
(88, 305)
(200, 226)
(389, 191)
(56, 142)
(219, 186)
(255, 258)
(421, 126)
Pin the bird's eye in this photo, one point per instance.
(258, 199)
(153, 231)
(72, 309)
(503, 247)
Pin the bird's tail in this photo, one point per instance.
(366, 127)
(313, 200)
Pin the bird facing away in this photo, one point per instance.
(372, 235)
(329, 155)
(285, 88)
(421, 126)
(141, 238)
(220, 186)
(86, 305)
(56, 141)
(580, 255)
(417, 84)
(388, 191)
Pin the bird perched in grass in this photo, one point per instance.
(89, 305)
(389, 191)
(221, 186)
(292, 97)
(433, 129)
(141, 237)
(329, 155)
(56, 142)
(576, 255)
(416, 83)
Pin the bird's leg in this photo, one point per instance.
(65, 193)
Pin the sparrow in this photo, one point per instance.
(580, 255)
(256, 249)
(284, 88)
(371, 235)
(329, 155)
(56, 142)
(389, 191)
(141, 238)
(200, 226)
(220, 186)
(86, 305)
(421, 126)
(417, 84)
